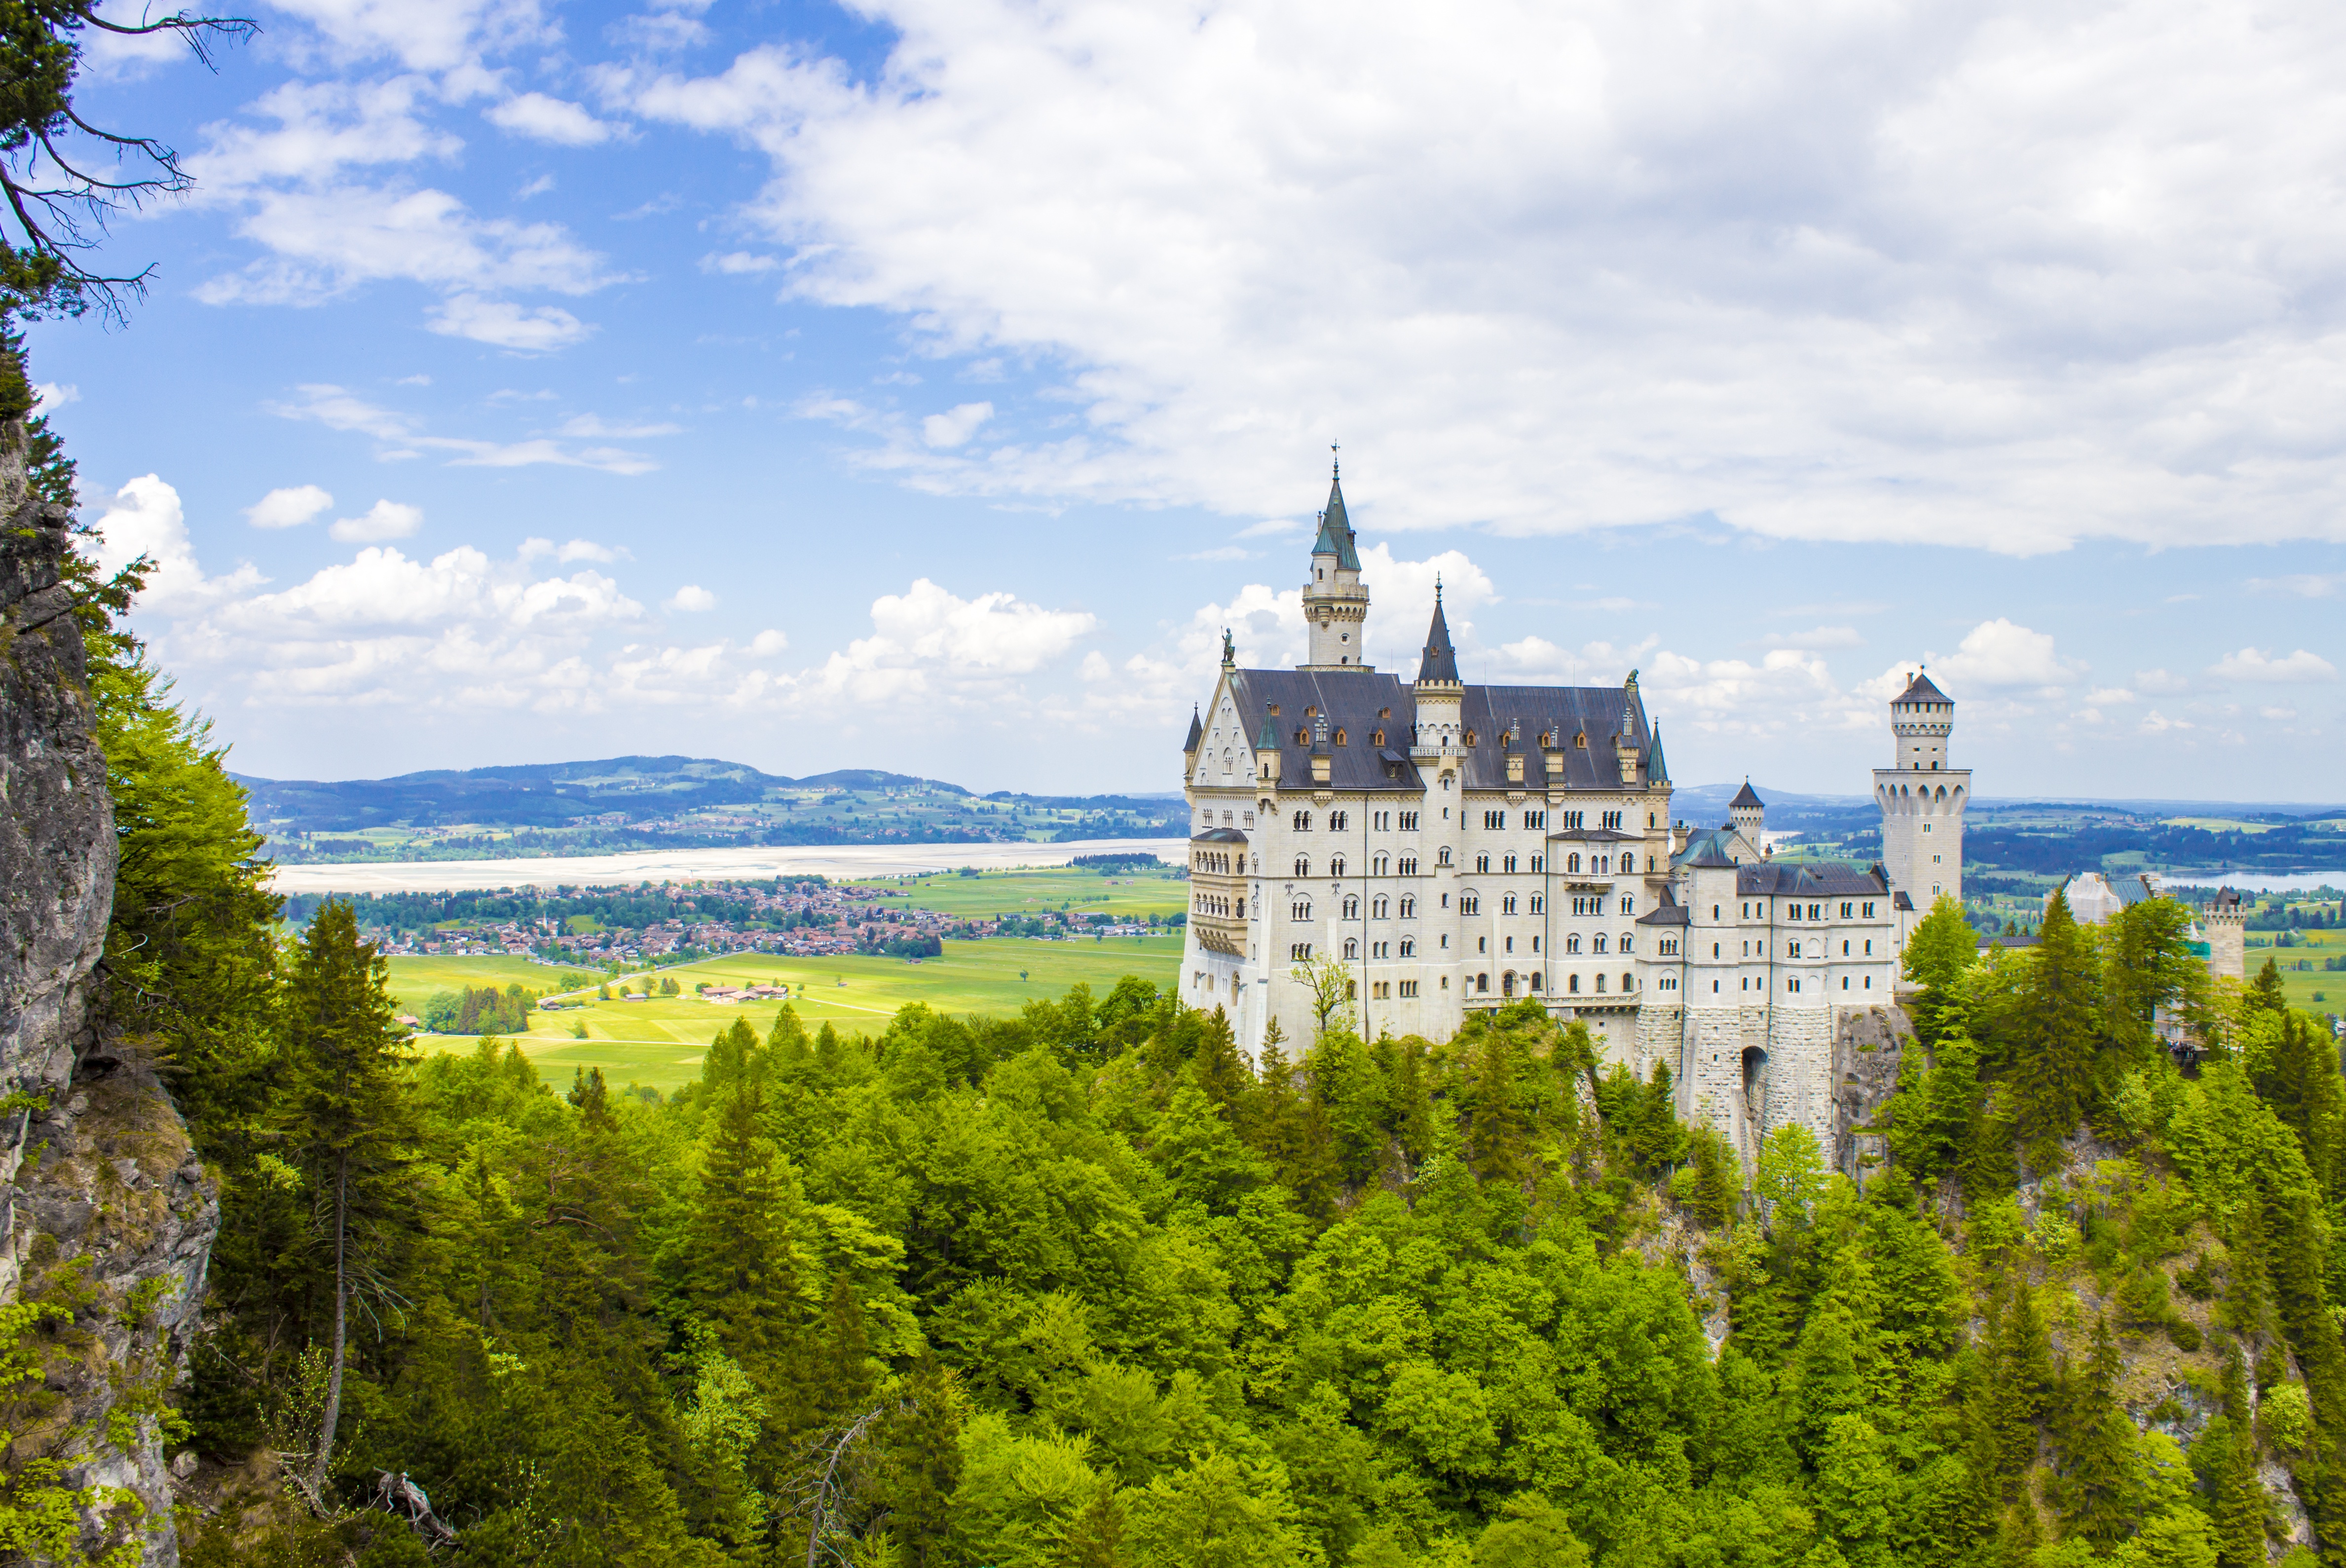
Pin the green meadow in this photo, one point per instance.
(659, 1042)
(1032, 892)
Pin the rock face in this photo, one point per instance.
(104, 1208)
(1867, 1048)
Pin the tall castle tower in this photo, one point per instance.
(1923, 800)
(1335, 601)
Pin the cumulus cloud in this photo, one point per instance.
(50, 396)
(2254, 665)
(956, 425)
(384, 520)
(543, 119)
(769, 642)
(422, 34)
(691, 598)
(503, 324)
(2002, 657)
(1985, 274)
(145, 518)
(927, 636)
(289, 507)
(533, 549)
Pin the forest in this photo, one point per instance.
(1085, 1287)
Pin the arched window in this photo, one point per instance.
(1602, 865)
(1409, 949)
(1535, 980)
(1481, 863)
(1377, 865)
(1409, 906)
(1352, 908)
(1470, 903)
(1226, 761)
(1625, 944)
(1596, 943)
(1507, 905)
(1299, 909)
(1380, 907)
(1573, 985)
(1302, 865)
(1508, 864)
(1336, 866)
(1340, 735)
(1628, 981)
(1508, 984)
(1600, 984)
(1352, 948)
(1442, 857)
(1481, 982)
(1303, 821)
(1629, 865)
(1572, 945)
(1572, 863)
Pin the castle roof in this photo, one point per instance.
(1336, 530)
(1707, 850)
(1441, 660)
(1196, 731)
(1810, 880)
(1218, 836)
(1657, 770)
(1746, 799)
(1361, 704)
(1920, 689)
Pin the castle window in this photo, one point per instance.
(1483, 982)
(1869, 914)
(1470, 903)
(1611, 820)
(1536, 944)
(1795, 912)
(1600, 984)
(1846, 909)
(1299, 951)
(1409, 949)
(1572, 820)
(1302, 821)
(1581, 740)
(1377, 865)
(1482, 862)
(1352, 908)
(1352, 948)
(1507, 905)
(1628, 981)
(1572, 863)
(1381, 907)
(1629, 865)
(1299, 909)
(1302, 736)
(1409, 987)
(1376, 738)
(1537, 861)
(1337, 821)
(1792, 949)
(1628, 906)
(1340, 735)
(1302, 865)
(1816, 912)
(1572, 945)
(1627, 943)
(1596, 943)
(1409, 906)
(1539, 903)
(1536, 819)
(1508, 864)
(1573, 985)
(1441, 855)
(1336, 866)
(1409, 821)
(1494, 820)
(1535, 980)
(1470, 740)
(1407, 865)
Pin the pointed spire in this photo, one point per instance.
(1657, 770)
(1196, 731)
(1441, 660)
(1336, 530)
(1269, 740)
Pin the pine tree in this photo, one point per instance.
(1943, 948)
(2094, 1485)
(344, 1111)
(734, 1262)
(1095, 1537)
(920, 1461)
(2264, 994)
(1217, 1068)
(2059, 1006)
(2024, 1367)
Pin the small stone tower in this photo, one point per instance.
(2225, 921)
(1335, 600)
(1923, 800)
(1439, 694)
(1747, 815)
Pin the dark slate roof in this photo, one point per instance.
(1336, 530)
(1441, 660)
(1219, 835)
(1668, 914)
(1810, 880)
(1705, 854)
(1196, 731)
(1746, 799)
(1360, 702)
(1920, 689)
(1597, 836)
(1898, 901)
(1657, 770)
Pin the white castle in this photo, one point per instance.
(1454, 847)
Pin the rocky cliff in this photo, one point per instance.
(106, 1215)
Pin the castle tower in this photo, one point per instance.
(1747, 815)
(1335, 600)
(1441, 696)
(2225, 921)
(1923, 800)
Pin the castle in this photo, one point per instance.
(1449, 846)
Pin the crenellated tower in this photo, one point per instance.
(1923, 800)
(1335, 600)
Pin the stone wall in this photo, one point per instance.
(1869, 1048)
(104, 1208)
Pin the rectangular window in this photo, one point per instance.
(1845, 910)
(1409, 987)
(1409, 821)
(1494, 820)
(1536, 819)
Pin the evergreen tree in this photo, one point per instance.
(1942, 947)
(2056, 1027)
(344, 1113)
(2095, 1483)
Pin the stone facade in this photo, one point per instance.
(1447, 846)
(2225, 919)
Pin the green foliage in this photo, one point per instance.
(485, 1010)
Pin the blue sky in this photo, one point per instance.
(924, 386)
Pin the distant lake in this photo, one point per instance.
(757, 863)
(2261, 881)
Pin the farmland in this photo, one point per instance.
(657, 1043)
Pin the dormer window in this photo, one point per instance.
(1339, 736)
(1469, 737)
(1376, 738)
(1581, 740)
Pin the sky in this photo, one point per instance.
(925, 385)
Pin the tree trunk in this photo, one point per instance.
(333, 1411)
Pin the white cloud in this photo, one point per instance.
(423, 34)
(50, 396)
(289, 507)
(1991, 274)
(2109, 694)
(769, 642)
(2000, 655)
(740, 263)
(146, 519)
(2157, 723)
(574, 550)
(589, 426)
(927, 637)
(384, 520)
(501, 323)
(2159, 683)
(2253, 665)
(542, 118)
(2301, 584)
(2278, 713)
(955, 426)
(692, 598)
(339, 410)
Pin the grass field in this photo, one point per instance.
(1031, 893)
(413, 979)
(658, 1043)
(2300, 985)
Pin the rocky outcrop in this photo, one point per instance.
(1867, 1048)
(105, 1212)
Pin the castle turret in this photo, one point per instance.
(1196, 734)
(1439, 694)
(1335, 600)
(2225, 919)
(1747, 815)
(1266, 748)
(1923, 800)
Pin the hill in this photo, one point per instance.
(620, 803)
